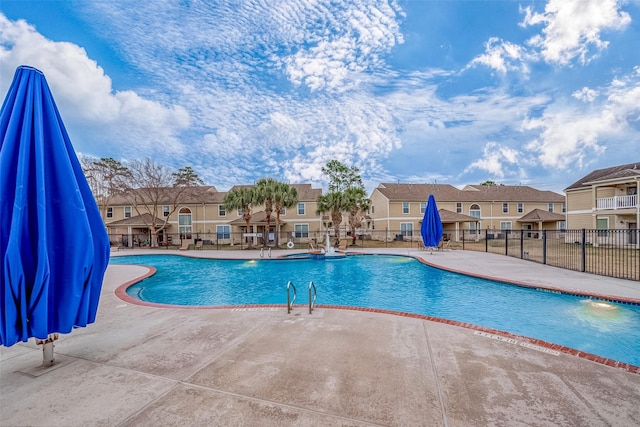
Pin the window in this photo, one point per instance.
(520, 207)
(372, 210)
(109, 212)
(301, 208)
(165, 211)
(283, 211)
(602, 224)
(562, 225)
(184, 223)
(239, 213)
(505, 208)
(222, 211)
(301, 230)
(458, 207)
(406, 229)
(564, 208)
(127, 211)
(423, 207)
(505, 226)
(550, 207)
(474, 211)
(405, 207)
(223, 232)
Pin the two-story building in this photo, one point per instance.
(606, 199)
(400, 207)
(202, 215)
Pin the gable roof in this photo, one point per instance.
(197, 194)
(538, 215)
(630, 170)
(136, 221)
(305, 192)
(470, 193)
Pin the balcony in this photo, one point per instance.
(617, 202)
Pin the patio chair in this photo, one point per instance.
(184, 247)
(199, 244)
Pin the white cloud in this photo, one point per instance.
(585, 94)
(497, 160)
(503, 56)
(572, 28)
(84, 94)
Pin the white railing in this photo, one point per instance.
(617, 202)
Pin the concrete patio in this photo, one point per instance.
(141, 365)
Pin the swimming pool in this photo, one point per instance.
(398, 283)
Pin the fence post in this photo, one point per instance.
(544, 246)
(486, 240)
(463, 239)
(506, 242)
(584, 250)
(521, 243)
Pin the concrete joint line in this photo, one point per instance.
(435, 375)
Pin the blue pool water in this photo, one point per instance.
(397, 283)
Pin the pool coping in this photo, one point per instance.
(121, 293)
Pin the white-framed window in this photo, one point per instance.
(301, 230)
(562, 225)
(372, 209)
(184, 223)
(474, 211)
(109, 212)
(405, 207)
(222, 211)
(550, 207)
(505, 226)
(423, 207)
(564, 208)
(239, 213)
(283, 211)
(406, 229)
(458, 207)
(223, 232)
(520, 207)
(301, 208)
(473, 229)
(127, 211)
(505, 207)
(165, 211)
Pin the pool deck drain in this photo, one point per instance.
(143, 365)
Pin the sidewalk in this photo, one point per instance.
(149, 366)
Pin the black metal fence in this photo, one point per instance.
(614, 253)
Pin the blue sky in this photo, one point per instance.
(519, 92)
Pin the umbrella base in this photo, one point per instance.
(48, 359)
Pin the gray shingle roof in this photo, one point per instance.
(470, 193)
(622, 171)
(540, 215)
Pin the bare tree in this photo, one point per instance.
(106, 178)
(149, 186)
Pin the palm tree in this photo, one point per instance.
(264, 193)
(356, 202)
(241, 198)
(285, 196)
(333, 203)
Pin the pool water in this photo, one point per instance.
(398, 283)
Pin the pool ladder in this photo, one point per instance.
(313, 294)
(268, 252)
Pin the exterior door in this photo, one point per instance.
(633, 233)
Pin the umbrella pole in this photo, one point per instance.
(47, 350)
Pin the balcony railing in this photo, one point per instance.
(617, 202)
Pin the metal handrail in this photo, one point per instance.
(312, 301)
(289, 300)
(268, 252)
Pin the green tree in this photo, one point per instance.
(284, 196)
(346, 194)
(241, 198)
(265, 190)
(334, 204)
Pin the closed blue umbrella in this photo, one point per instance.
(54, 248)
(431, 228)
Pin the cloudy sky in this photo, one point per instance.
(520, 92)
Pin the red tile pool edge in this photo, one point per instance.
(121, 292)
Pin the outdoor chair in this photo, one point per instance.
(199, 244)
(184, 247)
